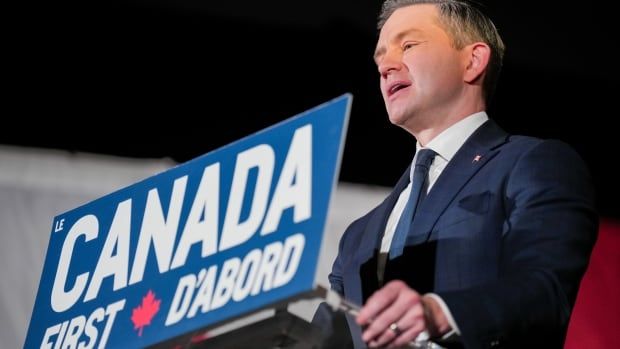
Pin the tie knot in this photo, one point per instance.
(425, 157)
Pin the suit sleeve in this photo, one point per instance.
(548, 236)
(345, 251)
(335, 277)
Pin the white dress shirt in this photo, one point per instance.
(445, 145)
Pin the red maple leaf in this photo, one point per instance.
(141, 315)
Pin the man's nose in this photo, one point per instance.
(389, 63)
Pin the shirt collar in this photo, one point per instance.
(448, 142)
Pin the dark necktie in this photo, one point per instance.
(418, 192)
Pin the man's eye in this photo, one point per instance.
(408, 46)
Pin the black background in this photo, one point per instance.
(181, 78)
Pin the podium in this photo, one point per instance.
(283, 330)
(270, 328)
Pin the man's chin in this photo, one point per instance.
(397, 118)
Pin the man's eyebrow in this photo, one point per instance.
(381, 50)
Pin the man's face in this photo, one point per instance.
(421, 73)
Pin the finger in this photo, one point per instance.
(413, 315)
(407, 300)
(407, 336)
(378, 302)
(386, 336)
(414, 322)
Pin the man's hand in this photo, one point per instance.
(396, 314)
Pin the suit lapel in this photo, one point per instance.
(479, 148)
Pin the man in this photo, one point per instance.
(498, 230)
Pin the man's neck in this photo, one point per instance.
(432, 125)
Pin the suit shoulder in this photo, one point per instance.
(522, 142)
(525, 145)
(549, 166)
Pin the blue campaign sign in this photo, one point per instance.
(227, 233)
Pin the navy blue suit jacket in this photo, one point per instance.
(504, 237)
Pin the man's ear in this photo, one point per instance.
(479, 54)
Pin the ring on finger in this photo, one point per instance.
(394, 328)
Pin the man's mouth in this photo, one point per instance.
(397, 86)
